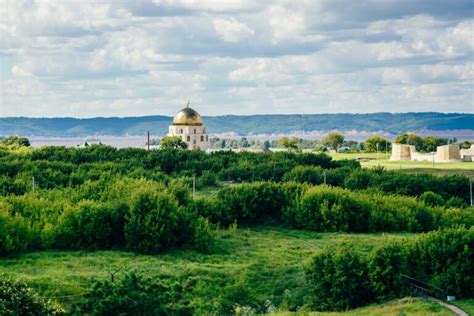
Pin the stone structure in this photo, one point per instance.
(188, 125)
(446, 153)
(467, 154)
(400, 152)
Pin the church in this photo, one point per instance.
(188, 125)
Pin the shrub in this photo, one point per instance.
(251, 203)
(204, 235)
(91, 225)
(14, 234)
(431, 198)
(152, 225)
(386, 264)
(207, 179)
(338, 280)
(16, 298)
(305, 174)
(132, 294)
(341, 278)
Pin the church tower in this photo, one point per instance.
(188, 125)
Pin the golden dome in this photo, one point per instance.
(187, 116)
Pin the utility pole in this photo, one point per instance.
(433, 153)
(377, 145)
(148, 140)
(470, 188)
(33, 184)
(194, 185)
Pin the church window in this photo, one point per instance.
(202, 138)
(181, 131)
(189, 138)
(194, 131)
(194, 141)
(207, 138)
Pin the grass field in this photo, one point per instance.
(369, 160)
(466, 305)
(405, 306)
(266, 262)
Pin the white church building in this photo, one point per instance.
(188, 125)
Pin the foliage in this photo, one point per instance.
(338, 280)
(376, 143)
(305, 174)
(333, 140)
(132, 294)
(14, 234)
(411, 139)
(341, 278)
(173, 142)
(431, 198)
(15, 141)
(289, 143)
(426, 144)
(152, 225)
(16, 298)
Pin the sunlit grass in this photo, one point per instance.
(267, 260)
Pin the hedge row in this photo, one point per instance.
(341, 278)
(325, 208)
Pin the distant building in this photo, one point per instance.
(188, 125)
(446, 153)
(467, 154)
(88, 142)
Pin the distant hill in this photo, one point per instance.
(394, 123)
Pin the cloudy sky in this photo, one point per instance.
(148, 57)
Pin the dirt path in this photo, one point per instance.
(453, 308)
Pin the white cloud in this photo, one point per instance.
(241, 57)
(285, 24)
(232, 30)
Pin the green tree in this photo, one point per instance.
(15, 141)
(152, 226)
(465, 145)
(431, 142)
(411, 139)
(173, 142)
(132, 294)
(431, 198)
(333, 140)
(16, 298)
(289, 143)
(338, 279)
(374, 143)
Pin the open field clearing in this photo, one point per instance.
(265, 262)
(369, 160)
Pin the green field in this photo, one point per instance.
(405, 306)
(370, 160)
(266, 262)
(466, 305)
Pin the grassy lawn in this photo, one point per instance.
(267, 262)
(466, 305)
(445, 168)
(405, 306)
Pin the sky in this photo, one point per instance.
(149, 57)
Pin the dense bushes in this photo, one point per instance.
(91, 225)
(14, 234)
(16, 298)
(342, 278)
(323, 208)
(120, 213)
(338, 280)
(132, 294)
(408, 184)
